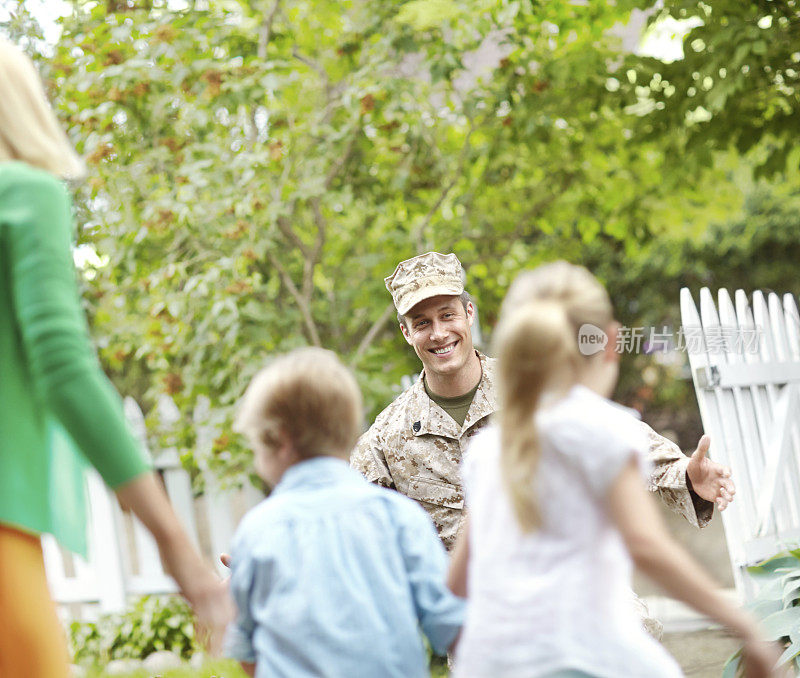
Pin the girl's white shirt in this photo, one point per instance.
(559, 597)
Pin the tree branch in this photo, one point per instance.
(333, 308)
(340, 163)
(305, 308)
(311, 258)
(372, 332)
(313, 66)
(264, 36)
(289, 232)
(322, 227)
(266, 30)
(285, 172)
(253, 135)
(417, 236)
(539, 207)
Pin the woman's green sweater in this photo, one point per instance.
(57, 409)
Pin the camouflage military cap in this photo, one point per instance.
(425, 276)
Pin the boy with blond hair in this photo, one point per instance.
(332, 576)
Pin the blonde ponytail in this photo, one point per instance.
(536, 348)
(533, 346)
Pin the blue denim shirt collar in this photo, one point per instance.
(316, 471)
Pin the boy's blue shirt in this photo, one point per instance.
(333, 576)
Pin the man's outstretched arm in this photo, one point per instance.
(689, 485)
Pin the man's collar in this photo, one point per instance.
(485, 401)
(428, 417)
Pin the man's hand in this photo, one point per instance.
(709, 480)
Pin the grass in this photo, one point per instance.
(439, 671)
(211, 669)
(227, 669)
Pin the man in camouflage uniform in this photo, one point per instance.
(416, 443)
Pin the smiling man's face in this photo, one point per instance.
(439, 330)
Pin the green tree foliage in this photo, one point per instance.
(257, 168)
(736, 87)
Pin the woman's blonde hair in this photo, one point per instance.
(536, 342)
(307, 395)
(29, 130)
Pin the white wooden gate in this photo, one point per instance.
(745, 362)
(123, 558)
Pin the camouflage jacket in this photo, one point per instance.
(668, 479)
(415, 447)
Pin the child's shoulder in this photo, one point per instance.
(482, 448)
(270, 511)
(584, 418)
(583, 408)
(487, 437)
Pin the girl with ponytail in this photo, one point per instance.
(558, 510)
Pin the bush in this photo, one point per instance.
(152, 624)
(777, 606)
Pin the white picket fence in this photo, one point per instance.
(745, 363)
(123, 558)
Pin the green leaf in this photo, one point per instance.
(791, 589)
(790, 653)
(772, 565)
(781, 624)
(426, 14)
(772, 590)
(731, 668)
(763, 608)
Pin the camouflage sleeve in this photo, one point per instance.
(368, 458)
(668, 478)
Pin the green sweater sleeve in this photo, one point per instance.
(65, 372)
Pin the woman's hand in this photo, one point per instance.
(760, 657)
(198, 583)
(213, 607)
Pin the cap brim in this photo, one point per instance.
(426, 293)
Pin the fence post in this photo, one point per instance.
(104, 547)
